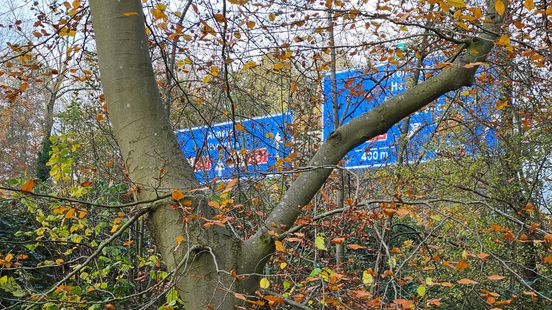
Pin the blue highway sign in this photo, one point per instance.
(219, 151)
(359, 91)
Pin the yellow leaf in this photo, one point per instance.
(128, 242)
(367, 277)
(279, 245)
(215, 71)
(278, 66)
(8, 257)
(264, 283)
(59, 261)
(82, 214)
(114, 228)
(28, 186)
(177, 195)
(456, 3)
(529, 5)
(503, 40)
(76, 3)
(240, 2)
(206, 79)
(180, 63)
(248, 65)
(500, 7)
(283, 265)
(320, 243)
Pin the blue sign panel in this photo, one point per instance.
(226, 151)
(359, 91)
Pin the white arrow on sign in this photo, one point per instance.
(219, 168)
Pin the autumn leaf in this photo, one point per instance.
(456, 3)
(264, 283)
(338, 240)
(467, 281)
(529, 5)
(500, 7)
(462, 265)
(355, 247)
(177, 195)
(547, 259)
(279, 245)
(28, 186)
(179, 239)
(240, 127)
(320, 243)
(130, 14)
(240, 2)
(69, 214)
(495, 277)
(367, 277)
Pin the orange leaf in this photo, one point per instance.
(495, 277)
(214, 204)
(240, 127)
(467, 281)
(28, 186)
(179, 239)
(177, 195)
(279, 245)
(100, 117)
(82, 214)
(239, 296)
(529, 5)
(547, 259)
(69, 213)
(130, 14)
(128, 242)
(355, 246)
(500, 7)
(337, 240)
(462, 265)
(483, 256)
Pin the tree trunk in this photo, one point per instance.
(156, 164)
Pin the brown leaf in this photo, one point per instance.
(467, 281)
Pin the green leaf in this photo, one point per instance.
(320, 243)
(421, 290)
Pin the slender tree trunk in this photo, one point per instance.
(156, 164)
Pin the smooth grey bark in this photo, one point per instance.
(156, 164)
